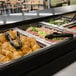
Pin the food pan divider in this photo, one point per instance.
(62, 29)
(69, 24)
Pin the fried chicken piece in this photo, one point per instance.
(14, 55)
(34, 44)
(20, 52)
(4, 59)
(12, 33)
(2, 38)
(24, 40)
(32, 41)
(10, 51)
(25, 45)
(0, 47)
(36, 47)
(26, 49)
(17, 54)
(7, 53)
(1, 56)
(8, 46)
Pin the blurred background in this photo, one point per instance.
(17, 6)
(56, 2)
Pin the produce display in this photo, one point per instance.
(14, 45)
(42, 32)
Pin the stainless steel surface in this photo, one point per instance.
(60, 28)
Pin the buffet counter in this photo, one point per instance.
(29, 44)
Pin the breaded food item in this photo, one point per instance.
(0, 47)
(26, 46)
(2, 38)
(32, 41)
(8, 46)
(24, 40)
(1, 56)
(26, 49)
(12, 33)
(20, 52)
(4, 59)
(17, 54)
(7, 53)
(34, 44)
(35, 47)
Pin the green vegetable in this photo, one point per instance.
(42, 33)
(35, 29)
(57, 38)
(58, 22)
(52, 21)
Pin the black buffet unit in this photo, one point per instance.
(50, 57)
